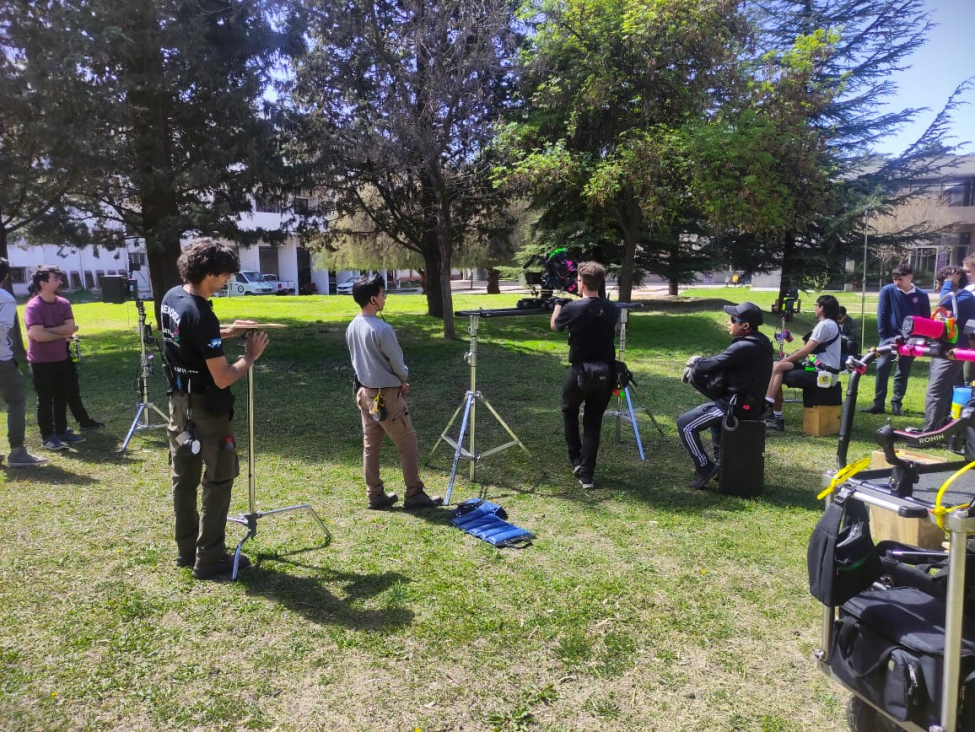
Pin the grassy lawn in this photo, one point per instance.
(641, 605)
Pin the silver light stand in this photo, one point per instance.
(250, 518)
(144, 409)
(469, 405)
(630, 394)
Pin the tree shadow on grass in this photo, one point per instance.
(312, 598)
(50, 474)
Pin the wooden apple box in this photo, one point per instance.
(821, 420)
(888, 525)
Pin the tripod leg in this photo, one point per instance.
(135, 423)
(502, 423)
(640, 405)
(447, 429)
(636, 429)
(460, 446)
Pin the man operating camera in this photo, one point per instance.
(735, 380)
(591, 322)
(201, 405)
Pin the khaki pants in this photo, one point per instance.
(201, 534)
(399, 427)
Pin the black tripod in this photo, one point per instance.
(143, 414)
(250, 518)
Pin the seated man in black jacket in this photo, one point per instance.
(735, 379)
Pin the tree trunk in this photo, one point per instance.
(431, 282)
(629, 225)
(672, 285)
(494, 282)
(788, 256)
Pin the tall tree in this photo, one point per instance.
(401, 100)
(608, 88)
(871, 40)
(177, 133)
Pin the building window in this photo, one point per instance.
(265, 205)
(18, 275)
(74, 281)
(303, 206)
(89, 280)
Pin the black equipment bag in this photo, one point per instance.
(624, 377)
(742, 459)
(888, 647)
(926, 570)
(841, 559)
(713, 386)
(595, 374)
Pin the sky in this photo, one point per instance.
(947, 59)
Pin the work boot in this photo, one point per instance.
(222, 566)
(702, 476)
(420, 500)
(382, 500)
(895, 409)
(875, 409)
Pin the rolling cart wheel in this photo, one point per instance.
(861, 717)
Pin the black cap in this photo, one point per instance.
(747, 312)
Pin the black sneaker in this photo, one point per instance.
(874, 409)
(421, 500)
(896, 409)
(383, 500)
(182, 561)
(775, 424)
(702, 476)
(586, 479)
(223, 566)
(91, 424)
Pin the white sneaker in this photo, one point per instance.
(20, 458)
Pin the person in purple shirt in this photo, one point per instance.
(50, 323)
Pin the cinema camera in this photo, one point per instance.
(558, 275)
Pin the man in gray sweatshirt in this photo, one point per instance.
(381, 389)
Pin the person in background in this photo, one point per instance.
(747, 367)
(944, 373)
(849, 336)
(897, 300)
(50, 323)
(968, 264)
(799, 370)
(591, 322)
(381, 388)
(11, 381)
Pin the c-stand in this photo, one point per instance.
(142, 419)
(629, 392)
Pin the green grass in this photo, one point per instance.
(641, 605)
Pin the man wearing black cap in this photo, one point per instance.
(736, 381)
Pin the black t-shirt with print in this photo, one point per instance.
(191, 336)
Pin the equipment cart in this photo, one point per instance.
(902, 644)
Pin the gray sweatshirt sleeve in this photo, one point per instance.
(394, 354)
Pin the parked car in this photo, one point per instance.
(248, 283)
(281, 287)
(345, 288)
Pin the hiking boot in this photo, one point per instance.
(383, 500)
(70, 438)
(875, 409)
(91, 424)
(421, 500)
(586, 479)
(182, 561)
(222, 566)
(896, 409)
(702, 476)
(775, 424)
(54, 443)
(20, 458)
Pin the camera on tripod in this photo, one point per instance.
(787, 306)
